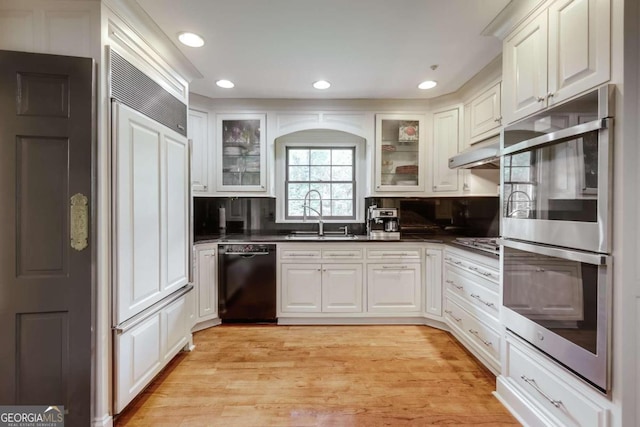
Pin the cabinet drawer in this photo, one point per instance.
(409, 253)
(474, 267)
(342, 253)
(464, 285)
(546, 389)
(300, 254)
(484, 338)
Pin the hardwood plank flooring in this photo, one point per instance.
(320, 376)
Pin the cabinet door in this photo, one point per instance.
(433, 282)
(342, 288)
(174, 328)
(139, 357)
(579, 45)
(524, 75)
(199, 134)
(446, 137)
(393, 288)
(207, 284)
(241, 153)
(484, 114)
(399, 153)
(301, 288)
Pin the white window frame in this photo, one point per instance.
(320, 139)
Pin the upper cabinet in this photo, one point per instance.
(241, 153)
(399, 153)
(484, 114)
(561, 52)
(446, 139)
(198, 130)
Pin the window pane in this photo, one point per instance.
(320, 173)
(295, 208)
(341, 173)
(326, 208)
(297, 191)
(320, 157)
(298, 156)
(342, 157)
(298, 173)
(342, 208)
(324, 189)
(342, 191)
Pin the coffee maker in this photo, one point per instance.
(382, 223)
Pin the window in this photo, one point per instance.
(328, 170)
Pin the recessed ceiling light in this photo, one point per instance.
(429, 84)
(322, 85)
(226, 84)
(190, 39)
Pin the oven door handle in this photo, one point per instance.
(559, 136)
(568, 254)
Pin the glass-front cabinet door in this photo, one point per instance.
(241, 161)
(399, 165)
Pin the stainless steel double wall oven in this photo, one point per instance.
(556, 232)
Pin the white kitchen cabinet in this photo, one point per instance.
(472, 303)
(198, 129)
(241, 155)
(342, 288)
(433, 282)
(545, 393)
(394, 288)
(301, 288)
(399, 153)
(485, 114)
(321, 288)
(560, 52)
(207, 268)
(446, 140)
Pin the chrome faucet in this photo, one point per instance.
(305, 207)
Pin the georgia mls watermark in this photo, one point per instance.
(31, 416)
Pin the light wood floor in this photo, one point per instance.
(321, 376)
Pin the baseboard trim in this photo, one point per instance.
(106, 421)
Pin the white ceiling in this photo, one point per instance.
(365, 48)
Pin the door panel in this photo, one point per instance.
(47, 112)
(152, 202)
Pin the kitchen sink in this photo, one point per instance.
(299, 236)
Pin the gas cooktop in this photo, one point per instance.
(485, 244)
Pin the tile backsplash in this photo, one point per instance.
(466, 216)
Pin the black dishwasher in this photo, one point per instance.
(247, 283)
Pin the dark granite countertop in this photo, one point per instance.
(279, 238)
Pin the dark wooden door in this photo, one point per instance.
(46, 279)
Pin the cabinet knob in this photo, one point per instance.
(541, 98)
(498, 119)
(550, 95)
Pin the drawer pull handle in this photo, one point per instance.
(451, 282)
(396, 254)
(301, 255)
(450, 313)
(447, 258)
(474, 332)
(457, 262)
(488, 304)
(399, 267)
(532, 383)
(473, 268)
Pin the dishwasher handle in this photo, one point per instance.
(246, 253)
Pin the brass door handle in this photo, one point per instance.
(79, 227)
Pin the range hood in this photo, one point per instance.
(485, 156)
